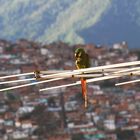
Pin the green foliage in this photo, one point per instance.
(50, 20)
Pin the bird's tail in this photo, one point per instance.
(84, 90)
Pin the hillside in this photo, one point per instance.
(71, 21)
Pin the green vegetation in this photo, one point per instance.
(49, 20)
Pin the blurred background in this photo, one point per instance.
(43, 35)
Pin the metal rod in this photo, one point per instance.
(16, 81)
(127, 82)
(92, 80)
(64, 75)
(30, 84)
(16, 75)
(79, 71)
(127, 70)
(92, 69)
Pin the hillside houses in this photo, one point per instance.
(112, 111)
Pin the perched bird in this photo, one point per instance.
(82, 61)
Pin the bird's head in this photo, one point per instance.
(79, 54)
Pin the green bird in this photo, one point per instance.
(82, 61)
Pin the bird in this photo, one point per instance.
(82, 61)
